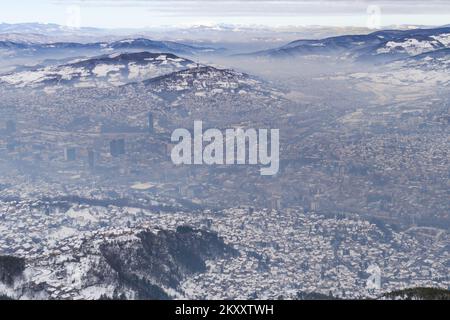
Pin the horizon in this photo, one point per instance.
(255, 26)
(121, 14)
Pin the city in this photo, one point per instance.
(101, 198)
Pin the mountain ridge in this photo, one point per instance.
(379, 46)
(100, 71)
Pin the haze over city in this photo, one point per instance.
(230, 150)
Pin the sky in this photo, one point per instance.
(152, 13)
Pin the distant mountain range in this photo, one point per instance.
(24, 38)
(24, 49)
(380, 46)
(42, 28)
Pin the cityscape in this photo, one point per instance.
(93, 207)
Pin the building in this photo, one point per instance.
(150, 123)
(91, 159)
(70, 154)
(117, 147)
(275, 202)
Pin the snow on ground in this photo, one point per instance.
(410, 46)
(95, 292)
(24, 78)
(136, 71)
(82, 216)
(443, 38)
(64, 232)
(102, 70)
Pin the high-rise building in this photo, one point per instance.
(70, 154)
(117, 147)
(276, 202)
(150, 123)
(315, 204)
(91, 159)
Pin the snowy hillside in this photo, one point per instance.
(379, 46)
(429, 70)
(103, 71)
(435, 60)
(119, 264)
(208, 81)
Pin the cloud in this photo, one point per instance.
(268, 7)
(137, 13)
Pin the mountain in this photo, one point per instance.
(438, 60)
(52, 32)
(206, 92)
(49, 32)
(119, 264)
(428, 70)
(10, 45)
(204, 79)
(410, 42)
(57, 50)
(103, 71)
(24, 38)
(386, 45)
(206, 82)
(160, 46)
(42, 28)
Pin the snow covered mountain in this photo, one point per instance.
(42, 28)
(428, 71)
(206, 92)
(387, 45)
(103, 71)
(29, 38)
(118, 264)
(206, 82)
(435, 60)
